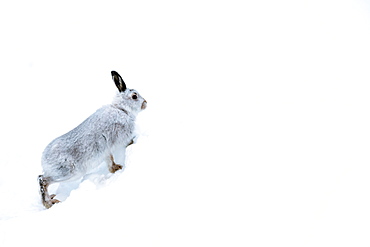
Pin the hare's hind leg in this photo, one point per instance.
(46, 199)
(113, 167)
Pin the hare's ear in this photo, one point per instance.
(120, 84)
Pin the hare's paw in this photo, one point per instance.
(131, 142)
(49, 203)
(114, 167)
(54, 201)
(52, 196)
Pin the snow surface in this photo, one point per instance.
(257, 131)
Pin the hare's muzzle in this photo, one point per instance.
(143, 106)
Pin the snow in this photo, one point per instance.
(256, 131)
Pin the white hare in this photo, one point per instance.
(102, 135)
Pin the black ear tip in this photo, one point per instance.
(113, 73)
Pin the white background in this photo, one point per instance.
(257, 131)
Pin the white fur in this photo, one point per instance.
(103, 135)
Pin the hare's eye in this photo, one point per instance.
(134, 96)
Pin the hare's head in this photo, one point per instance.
(127, 99)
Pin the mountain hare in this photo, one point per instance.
(102, 135)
